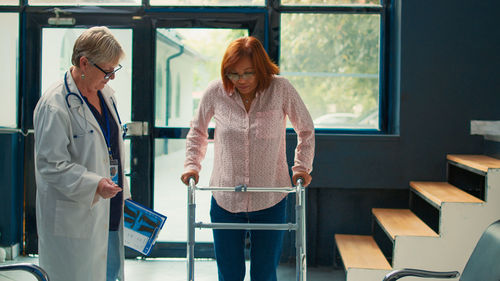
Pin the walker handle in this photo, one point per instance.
(192, 182)
(299, 182)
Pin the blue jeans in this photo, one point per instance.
(265, 247)
(113, 263)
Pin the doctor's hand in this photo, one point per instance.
(106, 188)
(189, 174)
(306, 178)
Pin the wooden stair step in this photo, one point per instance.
(402, 222)
(360, 251)
(478, 162)
(439, 192)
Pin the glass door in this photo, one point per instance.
(187, 60)
(188, 54)
(48, 50)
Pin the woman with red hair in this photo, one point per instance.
(250, 105)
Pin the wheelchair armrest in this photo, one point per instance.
(399, 273)
(35, 270)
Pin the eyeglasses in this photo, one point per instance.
(107, 74)
(245, 76)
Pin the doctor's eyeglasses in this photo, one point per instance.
(107, 74)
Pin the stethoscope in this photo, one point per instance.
(78, 96)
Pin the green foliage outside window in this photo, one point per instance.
(332, 60)
(211, 45)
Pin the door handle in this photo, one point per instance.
(136, 129)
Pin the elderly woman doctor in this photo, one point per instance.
(78, 148)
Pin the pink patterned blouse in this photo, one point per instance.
(249, 148)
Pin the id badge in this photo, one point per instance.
(113, 170)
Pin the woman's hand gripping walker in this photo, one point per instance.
(299, 226)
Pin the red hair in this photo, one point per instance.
(252, 48)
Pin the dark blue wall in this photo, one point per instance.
(444, 59)
(11, 189)
(492, 148)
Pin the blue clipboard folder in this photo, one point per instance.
(141, 226)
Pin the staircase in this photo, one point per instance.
(438, 231)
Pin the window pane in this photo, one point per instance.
(186, 61)
(9, 58)
(57, 48)
(9, 2)
(333, 61)
(330, 2)
(85, 2)
(208, 2)
(170, 195)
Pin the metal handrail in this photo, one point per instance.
(299, 226)
(400, 273)
(37, 271)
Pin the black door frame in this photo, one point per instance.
(255, 21)
(143, 24)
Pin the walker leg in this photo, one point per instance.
(191, 211)
(300, 235)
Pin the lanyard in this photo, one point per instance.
(106, 133)
(107, 136)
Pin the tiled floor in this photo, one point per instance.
(175, 270)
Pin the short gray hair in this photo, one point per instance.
(98, 45)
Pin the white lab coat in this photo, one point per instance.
(71, 157)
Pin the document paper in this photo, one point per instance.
(142, 226)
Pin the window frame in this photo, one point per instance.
(381, 10)
(272, 11)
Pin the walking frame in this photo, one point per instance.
(299, 226)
